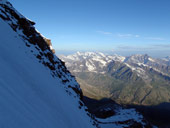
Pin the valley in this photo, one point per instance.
(137, 81)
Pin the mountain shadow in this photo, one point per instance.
(157, 114)
(109, 112)
(103, 108)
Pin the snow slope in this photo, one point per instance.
(31, 94)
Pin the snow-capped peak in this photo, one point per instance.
(89, 54)
(93, 61)
(102, 54)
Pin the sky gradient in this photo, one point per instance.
(120, 26)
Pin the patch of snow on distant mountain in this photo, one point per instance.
(90, 66)
(150, 59)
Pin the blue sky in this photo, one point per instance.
(119, 26)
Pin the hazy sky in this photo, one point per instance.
(122, 26)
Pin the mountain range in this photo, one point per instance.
(136, 79)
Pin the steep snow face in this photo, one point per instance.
(34, 82)
(38, 45)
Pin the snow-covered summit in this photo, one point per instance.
(137, 58)
(90, 54)
(92, 61)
